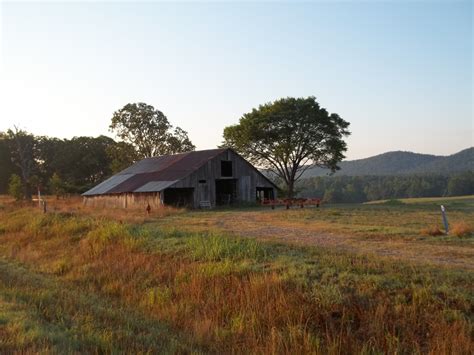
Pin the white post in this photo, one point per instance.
(445, 219)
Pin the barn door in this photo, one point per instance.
(203, 191)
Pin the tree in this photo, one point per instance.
(56, 185)
(7, 168)
(84, 162)
(149, 131)
(23, 152)
(15, 187)
(289, 136)
(461, 184)
(121, 155)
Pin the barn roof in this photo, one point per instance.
(154, 174)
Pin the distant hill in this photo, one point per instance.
(402, 163)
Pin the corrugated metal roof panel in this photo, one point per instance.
(150, 165)
(155, 186)
(108, 184)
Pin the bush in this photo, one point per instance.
(432, 231)
(462, 229)
(15, 187)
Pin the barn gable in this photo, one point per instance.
(196, 179)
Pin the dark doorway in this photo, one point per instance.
(226, 191)
(179, 197)
(265, 193)
(226, 168)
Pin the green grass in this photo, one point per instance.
(468, 199)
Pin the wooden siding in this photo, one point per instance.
(126, 200)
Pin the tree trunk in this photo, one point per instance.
(27, 191)
(290, 189)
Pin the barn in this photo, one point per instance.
(198, 179)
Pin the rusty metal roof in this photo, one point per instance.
(146, 173)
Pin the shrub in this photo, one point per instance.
(432, 231)
(15, 187)
(461, 229)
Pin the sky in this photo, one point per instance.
(399, 71)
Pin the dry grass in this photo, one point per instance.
(462, 229)
(215, 293)
(432, 231)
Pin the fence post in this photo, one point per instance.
(445, 219)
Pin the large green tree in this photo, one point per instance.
(288, 136)
(149, 131)
(7, 167)
(23, 149)
(81, 162)
(121, 155)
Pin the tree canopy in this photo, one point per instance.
(288, 136)
(149, 131)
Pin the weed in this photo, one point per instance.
(461, 229)
(432, 231)
(213, 247)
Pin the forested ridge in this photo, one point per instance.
(353, 189)
(403, 163)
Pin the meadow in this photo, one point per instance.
(335, 280)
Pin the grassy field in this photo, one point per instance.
(429, 200)
(243, 281)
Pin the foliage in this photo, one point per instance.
(6, 164)
(23, 151)
(462, 184)
(56, 185)
(15, 187)
(149, 131)
(354, 189)
(121, 155)
(288, 136)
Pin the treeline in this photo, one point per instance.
(61, 166)
(58, 166)
(353, 189)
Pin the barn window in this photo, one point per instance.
(202, 181)
(226, 168)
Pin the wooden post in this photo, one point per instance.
(445, 219)
(39, 196)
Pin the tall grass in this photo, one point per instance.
(94, 284)
(215, 247)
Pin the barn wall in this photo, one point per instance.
(126, 200)
(248, 179)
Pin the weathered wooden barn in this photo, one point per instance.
(205, 178)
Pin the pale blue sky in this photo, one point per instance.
(400, 72)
